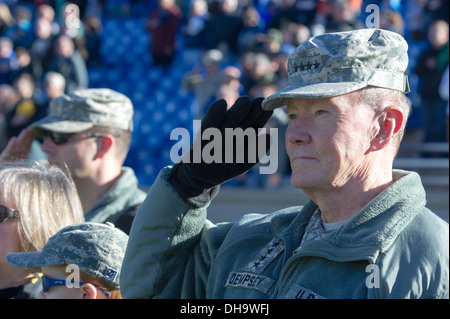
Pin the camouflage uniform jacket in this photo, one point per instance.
(393, 248)
(120, 204)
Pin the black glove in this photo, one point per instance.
(196, 182)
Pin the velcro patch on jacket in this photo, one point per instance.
(298, 292)
(265, 256)
(248, 280)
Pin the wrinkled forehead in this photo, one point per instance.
(335, 101)
(352, 103)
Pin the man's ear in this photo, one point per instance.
(389, 124)
(89, 291)
(105, 145)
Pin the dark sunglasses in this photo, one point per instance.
(63, 138)
(47, 283)
(6, 213)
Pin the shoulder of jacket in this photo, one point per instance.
(427, 227)
(420, 255)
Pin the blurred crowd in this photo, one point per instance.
(230, 47)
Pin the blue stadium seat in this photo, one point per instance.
(159, 101)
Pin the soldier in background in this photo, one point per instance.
(88, 132)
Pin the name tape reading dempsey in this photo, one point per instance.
(249, 280)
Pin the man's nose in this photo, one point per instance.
(298, 133)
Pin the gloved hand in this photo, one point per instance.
(196, 181)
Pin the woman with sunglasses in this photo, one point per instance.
(36, 201)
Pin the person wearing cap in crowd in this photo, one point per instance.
(89, 132)
(36, 201)
(204, 80)
(365, 233)
(81, 261)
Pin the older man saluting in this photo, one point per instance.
(365, 233)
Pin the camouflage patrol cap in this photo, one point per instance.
(84, 109)
(97, 249)
(333, 64)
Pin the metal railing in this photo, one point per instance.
(430, 160)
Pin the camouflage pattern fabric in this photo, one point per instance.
(97, 249)
(84, 109)
(332, 64)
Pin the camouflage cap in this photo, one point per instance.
(84, 109)
(332, 64)
(97, 249)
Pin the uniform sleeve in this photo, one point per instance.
(166, 256)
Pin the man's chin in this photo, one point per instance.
(300, 181)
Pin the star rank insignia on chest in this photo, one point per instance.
(265, 256)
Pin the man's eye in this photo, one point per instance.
(292, 116)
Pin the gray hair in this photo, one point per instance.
(55, 78)
(377, 97)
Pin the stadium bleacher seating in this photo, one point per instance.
(159, 101)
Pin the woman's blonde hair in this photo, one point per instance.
(45, 197)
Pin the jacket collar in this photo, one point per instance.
(371, 231)
(116, 198)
